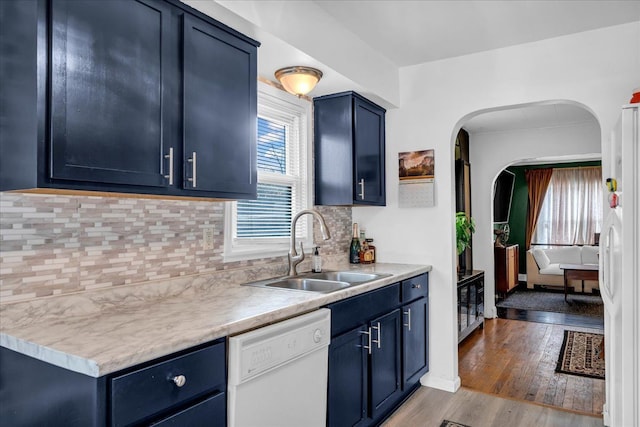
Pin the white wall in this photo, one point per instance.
(489, 153)
(597, 69)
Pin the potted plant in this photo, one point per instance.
(465, 227)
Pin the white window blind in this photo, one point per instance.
(258, 228)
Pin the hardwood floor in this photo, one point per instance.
(428, 407)
(516, 360)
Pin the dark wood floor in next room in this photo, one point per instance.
(517, 360)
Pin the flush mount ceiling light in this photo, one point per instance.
(298, 80)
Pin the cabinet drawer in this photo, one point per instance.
(416, 287)
(350, 313)
(210, 412)
(148, 391)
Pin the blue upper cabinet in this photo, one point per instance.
(109, 120)
(349, 146)
(219, 111)
(126, 91)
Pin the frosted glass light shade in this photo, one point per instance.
(298, 80)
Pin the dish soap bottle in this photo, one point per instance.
(316, 261)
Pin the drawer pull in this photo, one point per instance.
(179, 380)
(415, 286)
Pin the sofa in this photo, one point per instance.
(543, 265)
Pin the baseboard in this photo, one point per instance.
(490, 312)
(429, 380)
(522, 277)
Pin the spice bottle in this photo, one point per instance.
(370, 256)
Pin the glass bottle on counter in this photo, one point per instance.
(371, 257)
(354, 249)
(364, 248)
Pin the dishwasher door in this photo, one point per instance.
(278, 374)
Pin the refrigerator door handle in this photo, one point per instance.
(607, 285)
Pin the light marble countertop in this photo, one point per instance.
(103, 331)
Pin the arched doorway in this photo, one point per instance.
(498, 139)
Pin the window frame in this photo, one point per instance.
(241, 249)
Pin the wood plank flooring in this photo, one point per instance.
(516, 360)
(427, 407)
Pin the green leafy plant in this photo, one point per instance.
(465, 227)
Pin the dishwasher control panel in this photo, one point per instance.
(267, 348)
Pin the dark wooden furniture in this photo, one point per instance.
(580, 272)
(470, 303)
(349, 148)
(506, 268)
(150, 393)
(164, 102)
(378, 352)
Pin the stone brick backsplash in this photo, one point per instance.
(54, 244)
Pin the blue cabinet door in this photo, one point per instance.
(220, 109)
(369, 152)
(110, 61)
(349, 150)
(347, 389)
(385, 363)
(415, 347)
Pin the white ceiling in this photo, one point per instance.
(404, 33)
(413, 32)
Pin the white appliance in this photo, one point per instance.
(278, 373)
(619, 273)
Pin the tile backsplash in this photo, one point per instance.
(55, 244)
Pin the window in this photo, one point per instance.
(261, 228)
(572, 208)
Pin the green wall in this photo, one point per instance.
(520, 202)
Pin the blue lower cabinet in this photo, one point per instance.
(415, 345)
(187, 389)
(375, 359)
(385, 362)
(145, 394)
(210, 413)
(348, 372)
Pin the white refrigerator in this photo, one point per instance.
(619, 272)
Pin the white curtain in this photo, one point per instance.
(572, 208)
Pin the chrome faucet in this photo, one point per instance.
(294, 258)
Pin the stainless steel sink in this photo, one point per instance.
(351, 277)
(325, 282)
(312, 285)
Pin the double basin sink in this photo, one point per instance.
(325, 282)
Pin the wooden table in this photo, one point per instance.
(580, 272)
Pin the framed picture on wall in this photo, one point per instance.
(416, 165)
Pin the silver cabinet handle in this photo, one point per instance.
(361, 184)
(170, 157)
(179, 380)
(416, 286)
(408, 314)
(194, 169)
(368, 334)
(379, 340)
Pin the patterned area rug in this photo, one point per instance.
(580, 354)
(586, 305)
(447, 423)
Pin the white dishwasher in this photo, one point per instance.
(278, 373)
